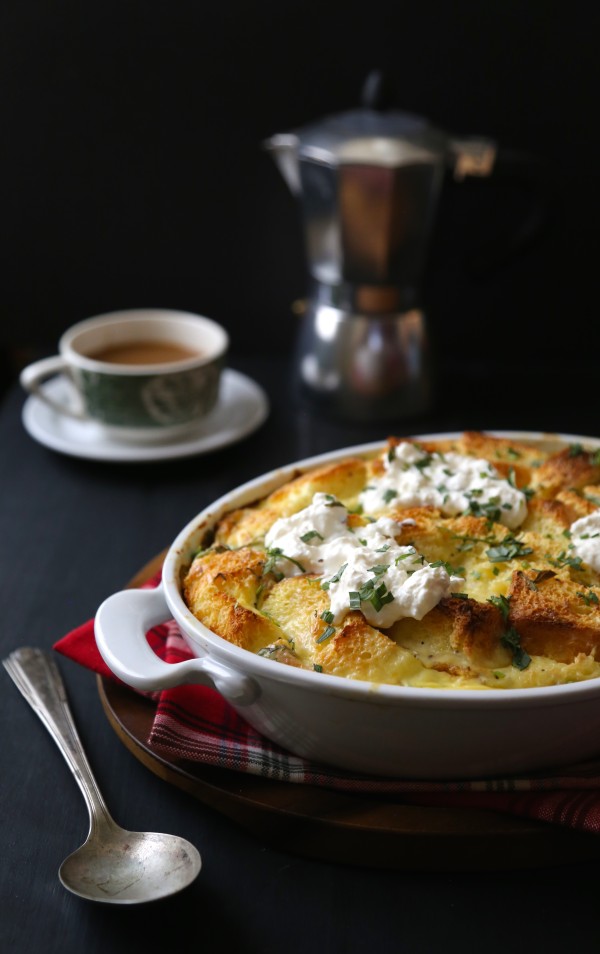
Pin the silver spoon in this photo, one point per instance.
(113, 865)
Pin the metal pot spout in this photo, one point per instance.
(284, 148)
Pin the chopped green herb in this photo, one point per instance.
(509, 549)
(331, 501)
(502, 604)
(379, 569)
(588, 598)
(468, 542)
(564, 559)
(423, 462)
(512, 641)
(541, 575)
(275, 554)
(270, 566)
(489, 510)
(310, 535)
(451, 570)
(278, 651)
(259, 593)
(329, 631)
(510, 638)
(334, 579)
(372, 592)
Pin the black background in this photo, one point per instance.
(133, 173)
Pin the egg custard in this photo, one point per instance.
(461, 563)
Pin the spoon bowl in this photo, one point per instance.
(130, 867)
(113, 865)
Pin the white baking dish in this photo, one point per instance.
(386, 730)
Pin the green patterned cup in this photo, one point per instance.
(141, 374)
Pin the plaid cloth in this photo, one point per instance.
(196, 724)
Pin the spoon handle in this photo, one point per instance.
(37, 676)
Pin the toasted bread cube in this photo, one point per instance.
(222, 589)
(568, 469)
(555, 617)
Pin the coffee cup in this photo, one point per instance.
(140, 374)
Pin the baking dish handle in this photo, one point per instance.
(120, 627)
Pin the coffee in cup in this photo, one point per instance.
(141, 374)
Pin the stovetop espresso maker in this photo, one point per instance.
(368, 182)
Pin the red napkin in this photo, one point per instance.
(195, 723)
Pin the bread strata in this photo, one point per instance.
(471, 573)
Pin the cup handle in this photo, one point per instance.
(524, 175)
(120, 626)
(34, 375)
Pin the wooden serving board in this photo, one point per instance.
(346, 828)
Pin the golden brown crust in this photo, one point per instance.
(222, 588)
(344, 479)
(555, 617)
(568, 469)
(459, 636)
(523, 583)
(477, 630)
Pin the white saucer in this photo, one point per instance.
(242, 407)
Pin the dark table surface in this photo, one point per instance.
(72, 532)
